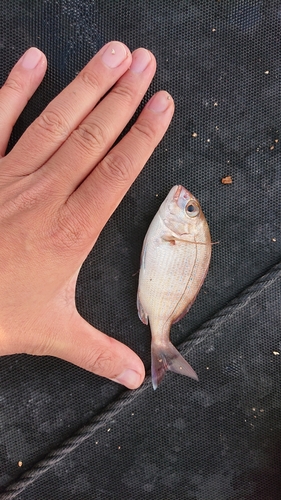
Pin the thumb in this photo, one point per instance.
(87, 347)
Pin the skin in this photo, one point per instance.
(58, 187)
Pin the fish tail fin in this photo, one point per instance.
(166, 357)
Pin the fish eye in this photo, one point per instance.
(192, 209)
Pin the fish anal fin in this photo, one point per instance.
(141, 312)
(166, 357)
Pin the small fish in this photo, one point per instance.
(174, 262)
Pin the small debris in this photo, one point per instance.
(273, 239)
(19, 463)
(227, 180)
(266, 72)
(194, 134)
(276, 353)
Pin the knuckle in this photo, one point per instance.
(66, 233)
(89, 137)
(117, 167)
(52, 122)
(90, 80)
(125, 91)
(27, 199)
(100, 362)
(70, 230)
(145, 131)
(14, 84)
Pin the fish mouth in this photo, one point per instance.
(181, 196)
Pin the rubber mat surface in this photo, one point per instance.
(68, 434)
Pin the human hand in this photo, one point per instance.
(58, 187)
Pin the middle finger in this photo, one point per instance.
(89, 143)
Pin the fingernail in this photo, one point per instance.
(141, 59)
(159, 102)
(115, 53)
(129, 378)
(31, 58)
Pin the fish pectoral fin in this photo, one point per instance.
(172, 239)
(141, 312)
(169, 238)
(166, 357)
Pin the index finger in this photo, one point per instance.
(50, 130)
(89, 207)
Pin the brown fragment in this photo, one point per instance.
(226, 180)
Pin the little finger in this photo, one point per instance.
(21, 83)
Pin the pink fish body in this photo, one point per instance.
(175, 259)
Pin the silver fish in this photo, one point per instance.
(174, 262)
